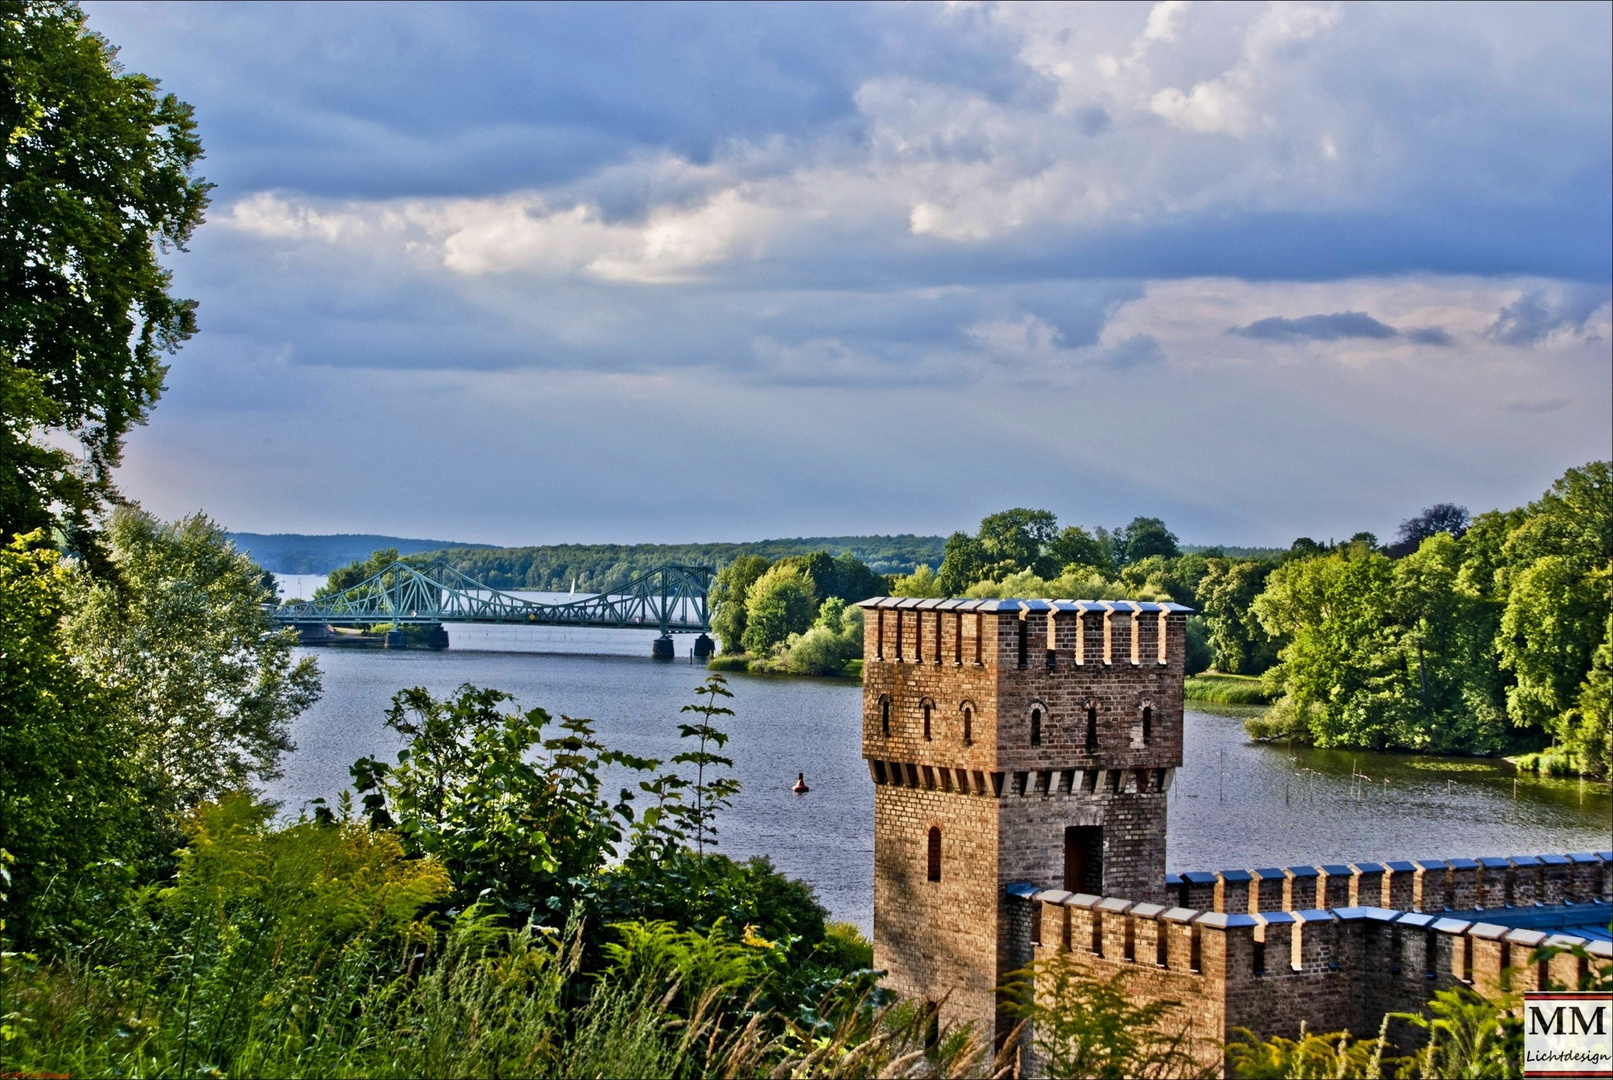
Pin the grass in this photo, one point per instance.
(1226, 689)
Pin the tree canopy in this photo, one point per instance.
(95, 184)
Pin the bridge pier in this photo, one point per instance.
(662, 648)
(395, 640)
(704, 647)
(317, 634)
(435, 637)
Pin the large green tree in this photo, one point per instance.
(69, 800)
(95, 184)
(208, 686)
(780, 603)
(727, 597)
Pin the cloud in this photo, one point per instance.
(1335, 327)
(1428, 335)
(1540, 313)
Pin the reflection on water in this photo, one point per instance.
(1234, 804)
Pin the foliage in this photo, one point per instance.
(718, 792)
(1074, 546)
(1469, 1036)
(1333, 1056)
(1226, 689)
(843, 576)
(95, 182)
(836, 637)
(602, 567)
(729, 593)
(207, 686)
(1076, 583)
(1144, 538)
(1439, 518)
(1239, 644)
(517, 816)
(1081, 1026)
(778, 604)
(70, 814)
(922, 582)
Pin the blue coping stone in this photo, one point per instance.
(1524, 860)
(1236, 875)
(1463, 864)
(1556, 860)
(1172, 879)
(930, 602)
(1605, 856)
(1400, 866)
(1217, 919)
(1381, 914)
(1415, 918)
(1303, 871)
(1270, 873)
(1023, 889)
(1035, 605)
(1274, 917)
(1491, 862)
(1432, 864)
(1199, 877)
(1336, 870)
(1313, 915)
(1452, 926)
(1369, 867)
(1582, 857)
(1350, 914)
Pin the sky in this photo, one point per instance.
(596, 273)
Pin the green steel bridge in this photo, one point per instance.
(669, 598)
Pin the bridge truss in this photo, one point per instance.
(671, 598)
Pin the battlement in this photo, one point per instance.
(1087, 690)
(1342, 967)
(1518, 882)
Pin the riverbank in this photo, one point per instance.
(1219, 689)
(739, 662)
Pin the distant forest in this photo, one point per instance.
(295, 553)
(594, 566)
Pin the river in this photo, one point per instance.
(1234, 803)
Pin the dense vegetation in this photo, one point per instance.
(1480, 636)
(296, 553)
(602, 567)
(792, 615)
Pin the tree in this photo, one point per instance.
(1074, 546)
(778, 604)
(962, 565)
(1439, 518)
(1145, 536)
(96, 180)
(69, 801)
(207, 685)
(1239, 644)
(1013, 541)
(728, 595)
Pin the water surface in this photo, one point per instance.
(1234, 804)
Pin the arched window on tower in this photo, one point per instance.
(885, 717)
(1036, 727)
(968, 726)
(1148, 724)
(1092, 729)
(927, 709)
(933, 872)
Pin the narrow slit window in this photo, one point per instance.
(1092, 728)
(968, 726)
(1260, 957)
(885, 717)
(927, 708)
(1148, 724)
(1036, 727)
(1195, 955)
(933, 871)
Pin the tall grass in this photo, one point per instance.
(1226, 689)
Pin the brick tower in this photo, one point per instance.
(1011, 741)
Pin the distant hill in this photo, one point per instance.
(296, 553)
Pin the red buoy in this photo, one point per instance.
(800, 787)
